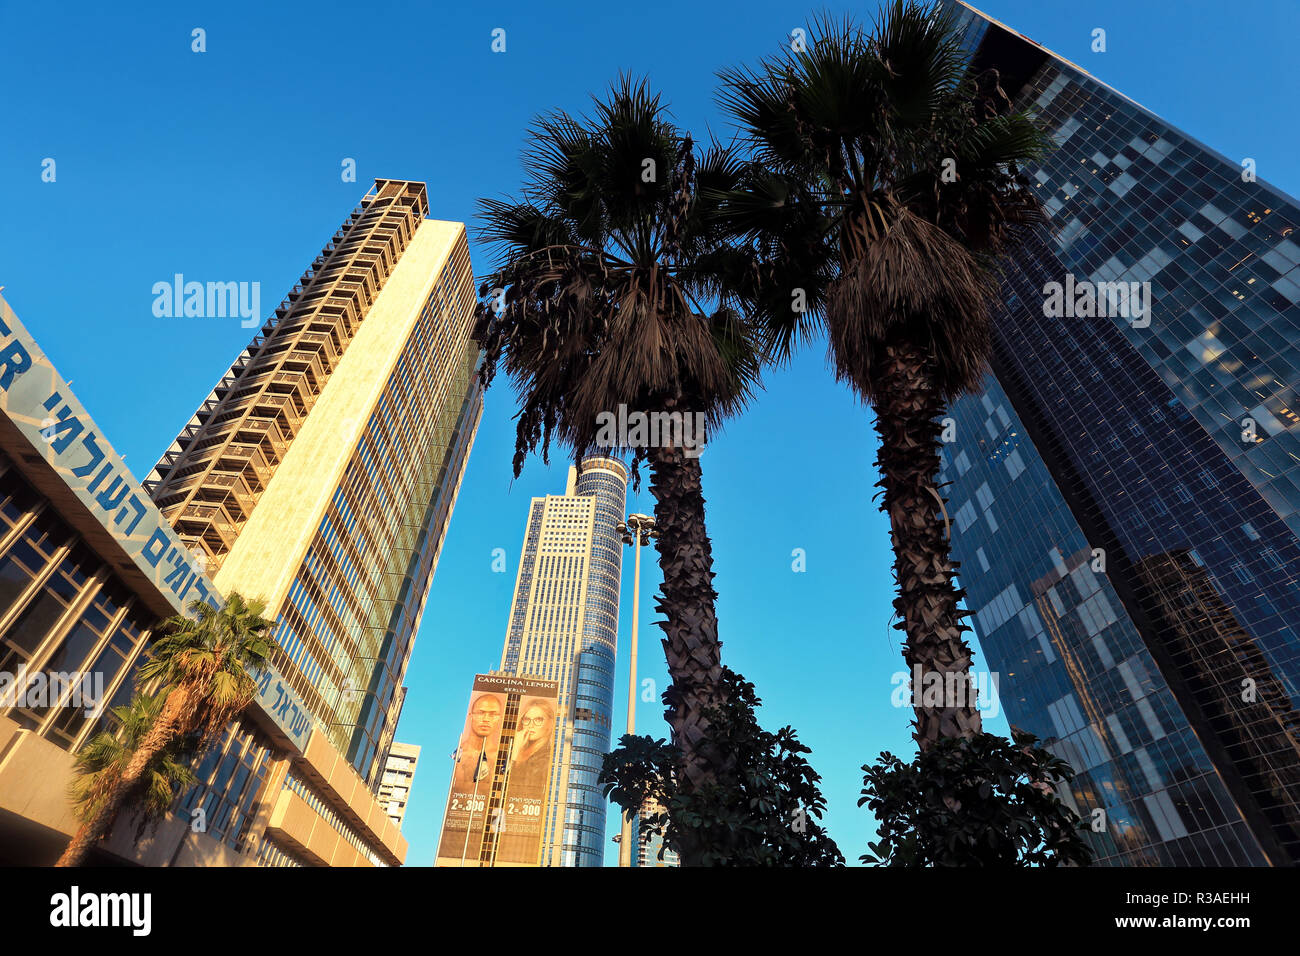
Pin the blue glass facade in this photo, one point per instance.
(230, 782)
(648, 843)
(1124, 491)
(1071, 662)
(584, 823)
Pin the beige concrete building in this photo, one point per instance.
(318, 476)
(321, 472)
(399, 776)
(648, 845)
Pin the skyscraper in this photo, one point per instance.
(1125, 491)
(320, 473)
(319, 476)
(563, 628)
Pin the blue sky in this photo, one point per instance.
(226, 165)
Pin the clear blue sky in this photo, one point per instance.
(225, 166)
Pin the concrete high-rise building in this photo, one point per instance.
(562, 632)
(1125, 492)
(399, 775)
(649, 849)
(318, 476)
(320, 473)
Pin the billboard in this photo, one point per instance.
(496, 804)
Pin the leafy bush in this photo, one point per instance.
(764, 813)
(978, 802)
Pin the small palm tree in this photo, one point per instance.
(198, 674)
(883, 193)
(100, 765)
(608, 291)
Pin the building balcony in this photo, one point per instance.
(286, 383)
(209, 407)
(306, 361)
(319, 342)
(255, 430)
(251, 382)
(209, 522)
(230, 488)
(249, 461)
(179, 475)
(277, 407)
(225, 417)
(170, 458)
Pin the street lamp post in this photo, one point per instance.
(637, 531)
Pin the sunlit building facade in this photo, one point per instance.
(320, 473)
(1125, 490)
(318, 476)
(89, 571)
(399, 777)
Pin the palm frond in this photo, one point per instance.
(878, 159)
(613, 270)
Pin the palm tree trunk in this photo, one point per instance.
(928, 602)
(93, 830)
(690, 642)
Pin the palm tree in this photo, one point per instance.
(883, 193)
(199, 671)
(101, 764)
(607, 292)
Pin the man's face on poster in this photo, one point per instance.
(533, 725)
(484, 717)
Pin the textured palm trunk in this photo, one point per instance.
(93, 830)
(690, 627)
(929, 603)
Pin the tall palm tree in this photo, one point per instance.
(607, 292)
(883, 193)
(199, 670)
(101, 764)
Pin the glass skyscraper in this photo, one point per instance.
(564, 627)
(1125, 492)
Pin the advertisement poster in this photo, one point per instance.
(502, 766)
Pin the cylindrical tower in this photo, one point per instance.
(604, 479)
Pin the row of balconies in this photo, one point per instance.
(226, 409)
(357, 290)
(213, 487)
(206, 522)
(301, 372)
(249, 461)
(249, 430)
(241, 457)
(236, 386)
